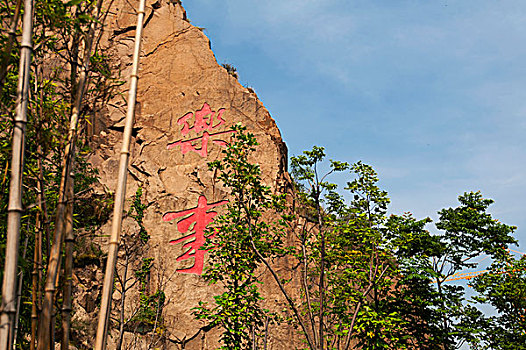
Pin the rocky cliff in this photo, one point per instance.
(186, 105)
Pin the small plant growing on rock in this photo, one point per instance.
(230, 69)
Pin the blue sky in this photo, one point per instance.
(430, 93)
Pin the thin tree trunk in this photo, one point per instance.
(46, 330)
(266, 334)
(74, 63)
(40, 187)
(284, 292)
(69, 232)
(15, 208)
(254, 347)
(445, 328)
(105, 308)
(68, 267)
(9, 46)
(37, 262)
(306, 288)
(322, 270)
(36, 290)
(351, 327)
(123, 281)
(19, 295)
(365, 294)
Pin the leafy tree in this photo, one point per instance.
(427, 262)
(503, 287)
(468, 232)
(400, 299)
(240, 243)
(347, 272)
(377, 326)
(368, 281)
(313, 253)
(414, 297)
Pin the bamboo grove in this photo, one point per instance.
(51, 84)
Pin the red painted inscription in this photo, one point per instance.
(197, 134)
(200, 216)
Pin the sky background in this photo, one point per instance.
(432, 94)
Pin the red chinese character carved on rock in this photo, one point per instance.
(205, 121)
(200, 216)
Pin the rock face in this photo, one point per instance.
(187, 103)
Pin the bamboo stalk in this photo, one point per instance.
(45, 329)
(43, 204)
(37, 260)
(70, 235)
(105, 309)
(54, 314)
(10, 40)
(15, 207)
(19, 294)
(41, 224)
(75, 41)
(68, 269)
(34, 285)
(46, 326)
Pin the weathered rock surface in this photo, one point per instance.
(187, 103)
